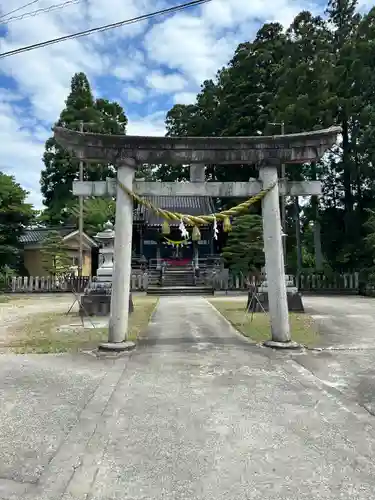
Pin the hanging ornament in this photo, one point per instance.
(283, 235)
(176, 244)
(165, 228)
(184, 231)
(216, 231)
(227, 226)
(196, 234)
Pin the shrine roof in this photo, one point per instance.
(39, 234)
(192, 205)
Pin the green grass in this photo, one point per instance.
(4, 299)
(257, 327)
(41, 334)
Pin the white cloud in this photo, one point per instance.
(147, 64)
(185, 98)
(152, 124)
(134, 94)
(165, 82)
(20, 152)
(129, 68)
(185, 42)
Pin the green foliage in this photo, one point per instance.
(96, 212)
(319, 72)
(15, 214)
(61, 169)
(55, 258)
(6, 274)
(244, 249)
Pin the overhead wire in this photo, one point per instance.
(106, 27)
(19, 8)
(37, 12)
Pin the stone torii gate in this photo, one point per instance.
(267, 152)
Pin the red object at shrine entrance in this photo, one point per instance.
(177, 262)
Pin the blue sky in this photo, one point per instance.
(147, 67)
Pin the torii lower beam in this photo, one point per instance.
(213, 189)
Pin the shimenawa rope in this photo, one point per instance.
(197, 220)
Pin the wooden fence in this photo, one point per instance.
(314, 283)
(36, 284)
(335, 283)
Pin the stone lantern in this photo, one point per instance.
(97, 299)
(106, 240)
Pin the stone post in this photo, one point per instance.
(212, 237)
(158, 256)
(273, 248)
(197, 172)
(196, 255)
(118, 324)
(318, 247)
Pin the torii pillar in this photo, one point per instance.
(274, 257)
(119, 319)
(126, 152)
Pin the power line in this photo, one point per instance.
(19, 8)
(37, 12)
(102, 28)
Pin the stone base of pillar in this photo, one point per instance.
(294, 302)
(282, 345)
(116, 346)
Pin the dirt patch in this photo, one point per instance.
(18, 311)
(41, 325)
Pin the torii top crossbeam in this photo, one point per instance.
(262, 150)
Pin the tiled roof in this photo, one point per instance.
(37, 235)
(192, 205)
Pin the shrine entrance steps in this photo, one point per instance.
(180, 290)
(178, 280)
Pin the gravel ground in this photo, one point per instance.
(21, 308)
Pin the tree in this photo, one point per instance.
(319, 72)
(61, 169)
(15, 215)
(235, 103)
(344, 21)
(244, 249)
(96, 212)
(55, 258)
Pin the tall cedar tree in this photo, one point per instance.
(61, 169)
(244, 249)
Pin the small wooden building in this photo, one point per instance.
(33, 239)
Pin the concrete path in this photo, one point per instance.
(346, 321)
(196, 412)
(347, 364)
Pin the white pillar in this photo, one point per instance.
(196, 255)
(197, 172)
(273, 248)
(118, 324)
(158, 256)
